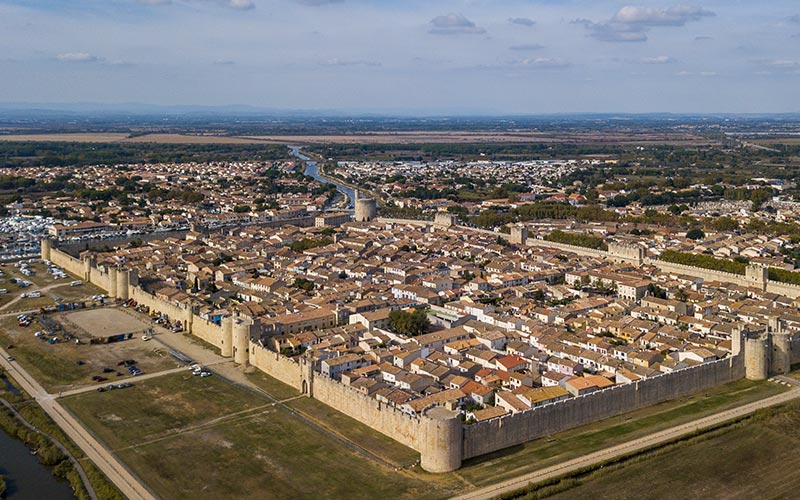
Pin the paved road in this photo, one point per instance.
(629, 447)
(130, 485)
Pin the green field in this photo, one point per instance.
(189, 437)
(753, 459)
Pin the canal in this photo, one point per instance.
(26, 478)
(312, 170)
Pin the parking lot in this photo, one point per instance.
(61, 364)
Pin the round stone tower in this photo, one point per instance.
(47, 248)
(88, 262)
(756, 357)
(112, 282)
(227, 337)
(366, 209)
(442, 440)
(123, 284)
(241, 342)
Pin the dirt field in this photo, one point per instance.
(410, 137)
(106, 321)
(91, 137)
(56, 366)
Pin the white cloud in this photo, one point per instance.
(522, 21)
(317, 3)
(77, 57)
(454, 24)
(543, 62)
(154, 2)
(240, 4)
(526, 46)
(631, 23)
(779, 64)
(348, 62)
(656, 60)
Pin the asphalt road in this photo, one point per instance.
(657, 438)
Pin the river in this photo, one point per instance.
(312, 170)
(26, 478)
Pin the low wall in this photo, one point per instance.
(511, 430)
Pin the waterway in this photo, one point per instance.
(26, 478)
(312, 170)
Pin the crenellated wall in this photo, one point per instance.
(277, 366)
(511, 430)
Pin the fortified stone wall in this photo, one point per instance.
(67, 262)
(277, 366)
(208, 331)
(586, 252)
(789, 290)
(706, 274)
(511, 430)
(400, 426)
(105, 278)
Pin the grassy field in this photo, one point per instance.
(55, 365)
(609, 432)
(176, 431)
(162, 424)
(755, 458)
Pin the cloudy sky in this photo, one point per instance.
(410, 56)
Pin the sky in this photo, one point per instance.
(413, 57)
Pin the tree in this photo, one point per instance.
(409, 323)
(656, 291)
(304, 284)
(695, 234)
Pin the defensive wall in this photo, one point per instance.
(438, 435)
(511, 430)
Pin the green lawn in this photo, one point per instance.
(189, 437)
(569, 444)
(754, 459)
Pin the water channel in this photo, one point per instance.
(312, 170)
(26, 478)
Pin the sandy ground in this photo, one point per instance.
(106, 321)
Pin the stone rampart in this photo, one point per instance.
(511, 430)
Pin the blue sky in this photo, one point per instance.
(410, 56)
